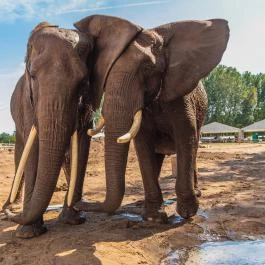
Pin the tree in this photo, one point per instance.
(235, 99)
(248, 107)
(7, 138)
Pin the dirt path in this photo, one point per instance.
(232, 206)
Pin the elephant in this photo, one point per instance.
(152, 94)
(51, 105)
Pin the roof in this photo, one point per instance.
(216, 127)
(255, 127)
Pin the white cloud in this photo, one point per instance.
(105, 7)
(27, 9)
(17, 9)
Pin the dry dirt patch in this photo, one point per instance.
(232, 207)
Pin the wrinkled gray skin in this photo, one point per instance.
(158, 71)
(48, 97)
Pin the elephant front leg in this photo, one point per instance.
(38, 228)
(19, 146)
(187, 202)
(150, 165)
(69, 215)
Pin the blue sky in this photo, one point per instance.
(246, 48)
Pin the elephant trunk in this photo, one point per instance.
(115, 165)
(116, 153)
(54, 136)
(123, 102)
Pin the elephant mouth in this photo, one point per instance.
(127, 137)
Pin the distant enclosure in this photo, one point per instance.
(218, 132)
(4, 146)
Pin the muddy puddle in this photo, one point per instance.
(54, 207)
(129, 216)
(219, 253)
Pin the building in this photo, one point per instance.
(218, 132)
(255, 132)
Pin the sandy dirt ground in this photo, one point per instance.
(232, 207)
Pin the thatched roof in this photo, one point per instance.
(255, 127)
(216, 127)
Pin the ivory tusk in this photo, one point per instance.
(134, 129)
(22, 164)
(99, 126)
(74, 167)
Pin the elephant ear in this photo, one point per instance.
(193, 49)
(111, 37)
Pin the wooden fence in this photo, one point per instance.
(5, 146)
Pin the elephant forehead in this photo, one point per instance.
(151, 37)
(69, 35)
(149, 43)
(72, 37)
(158, 39)
(146, 50)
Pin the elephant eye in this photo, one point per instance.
(31, 72)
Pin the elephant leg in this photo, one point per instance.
(186, 142)
(33, 230)
(30, 173)
(69, 215)
(150, 165)
(19, 145)
(36, 229)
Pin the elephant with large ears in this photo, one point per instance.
(154, 76)
(50, 106)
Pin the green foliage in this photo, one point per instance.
(97, 113)
(235, 99)
(7, 138)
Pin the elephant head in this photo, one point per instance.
(135, 67)
(55, 73)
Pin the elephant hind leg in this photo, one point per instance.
(187, 145)
(187, 202)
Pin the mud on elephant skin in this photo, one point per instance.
(151, 79)
(49, 111)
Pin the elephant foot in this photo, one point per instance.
(30, 231)
(71, 216)
(188, 206)
(159, 216)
